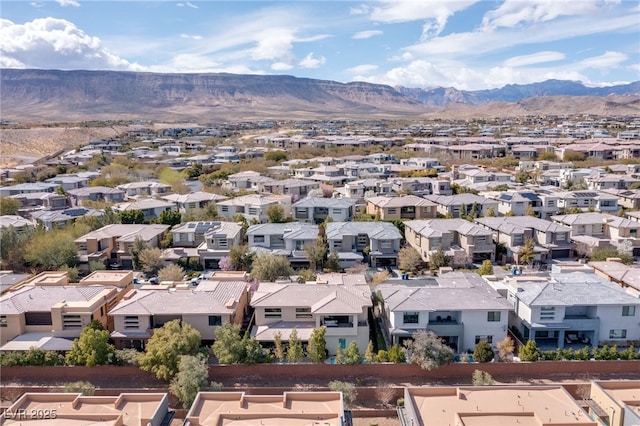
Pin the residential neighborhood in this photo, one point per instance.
(393, 236)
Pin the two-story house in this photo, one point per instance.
(376, 242)
(575, 309)
(518, 202)
(458, 306)
(340, 305)
(253, 207)
(101, 194)
(151, 207)
(317, 209)
(464, 241)
(209, 305)
(298, 188)
(57, 219)
(186, 203)
(462, 204)
(18, 223)
(48, 313)
(69, 182)
(286, 239)
(35, 201)
(591, 231)
(113, 243)
(406, 207)
(551, 240)
(218, 240)
(145, 189)
(587, 200)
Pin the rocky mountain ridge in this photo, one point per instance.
(107, 95)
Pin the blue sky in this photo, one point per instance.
(464, 44)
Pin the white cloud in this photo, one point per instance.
(281, 66)
(513, 13)
(366, 34)
(534, 58)
(606, 60)
(187, 4)
(54, 43)
(192, 37)
(362, 69)
(363, 9)
(65, 3)
(310, 61)
(436, 13)
(36, 4)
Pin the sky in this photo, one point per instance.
(465, 44)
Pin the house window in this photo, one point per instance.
(71, 321)
(337, 212)
(253, 211)
(224, 209)
(493, 316)
(3, 320)
(362, 239)
(300, 244)
(629, 311)
(435, 243)
(273, 313)
(617, 334)
(215, 320)
(101, 311)
(391, 211)
(517, 238)
(385, 244)
(488, 339)
(482, 240)
(258, 238)
(37, 318)
(547, 312)
(303, 312)
(410, 317)
(131, 322)
(342, 343)
(222, 243)
(561, 237)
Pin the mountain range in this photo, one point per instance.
(110, 95)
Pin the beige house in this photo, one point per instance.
(464, 241)
(113, 243)
(48, 312)
(209, 305)
(405, 207)
(64, 409)
(336, 301)
(290, 408)
(618, 399)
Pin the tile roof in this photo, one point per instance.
(42, 298)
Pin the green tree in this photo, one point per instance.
(51, 250)
(369, 354)
(427, 350)
(169, 342)
(438, 259)
(252, 350)
(12, 248)
(396, 354)
(132, 216)
(276, 156)
(317, 253)
(168, 217)
(279, 350)
(9, 206)
(228, 347)
(349, 392)
(305, 275)
(573, 156)
(240, 257)
(483, 352)
(409, 259)
(529, 352)
(486, 268)
(352, 354)
(295, 352)
(172, 272)
(138, 246)
(91, 348)
(527, 253)
(481, 378)
(333, 262)
(275, 214)
(270, 267)
(602, 254)
(316, 348)
(194, 171)
(151, 260)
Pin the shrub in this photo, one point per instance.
(83, 387)
(583, 354)
(126, 357)
(483, 352)
(529, 352)
(400, 402)
(382, 356)
(481, 378)
(348, 390)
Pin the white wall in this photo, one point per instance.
(476, 324)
